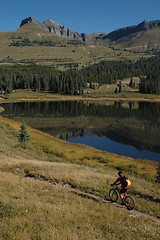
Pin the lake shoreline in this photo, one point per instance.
(124, 123)
(29, 96)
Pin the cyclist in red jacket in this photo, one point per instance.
(125, 184)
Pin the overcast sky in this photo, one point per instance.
(82, 16)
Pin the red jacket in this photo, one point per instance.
(122, 180)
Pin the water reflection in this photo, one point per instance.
(135, 124)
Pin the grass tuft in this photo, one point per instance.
(6, 211)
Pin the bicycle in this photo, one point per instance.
(127, 200)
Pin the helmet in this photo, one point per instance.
(120, 173)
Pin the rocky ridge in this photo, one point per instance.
(58, 29)
(113, 38)
(123, 32)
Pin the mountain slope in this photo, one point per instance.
(146, 35)
(57, 29)
(44, 47)
(52, 43)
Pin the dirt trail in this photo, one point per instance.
(70, 188)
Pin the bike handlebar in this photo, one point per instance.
(115, 184)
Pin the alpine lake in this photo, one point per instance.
(125, 128)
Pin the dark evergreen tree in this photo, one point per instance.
(131, 82)
(120, 87)
(116, 90)
(23, 136)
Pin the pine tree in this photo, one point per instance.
(120, 87)
(23, 136)
(116, 90)
(131, 82)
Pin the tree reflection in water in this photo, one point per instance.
(129, 124)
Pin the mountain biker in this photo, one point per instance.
(125, 184)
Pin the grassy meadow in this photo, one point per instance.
(61, 55)
(38, 209)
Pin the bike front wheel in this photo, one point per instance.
(129, 203)
(113, 195)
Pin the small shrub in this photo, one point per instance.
(101, 159)
(53, 152)
(23, 145)
(51, 159)
(14, 133)
(86, 157)
(5, 210)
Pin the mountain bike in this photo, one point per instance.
(127, 200)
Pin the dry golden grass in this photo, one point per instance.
(32, 209)
(95, 180)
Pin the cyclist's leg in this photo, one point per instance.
(126, 191)
(122, 193)
(125, 194)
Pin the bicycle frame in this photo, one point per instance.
(127, 200)
(118, 190)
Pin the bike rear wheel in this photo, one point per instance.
(129, 203)
(113, 195)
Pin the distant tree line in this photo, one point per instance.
(74, 80)
(150, 83)
(148, 70)
(111, 71)
(27, 42)
(39, 78)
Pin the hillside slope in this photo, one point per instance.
(58, 29)
(51, 43)
(32, 207)
(143, 36)
(31, 43)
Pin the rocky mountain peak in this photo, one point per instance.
(57, 29)
(143, 26)
(28, 20)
